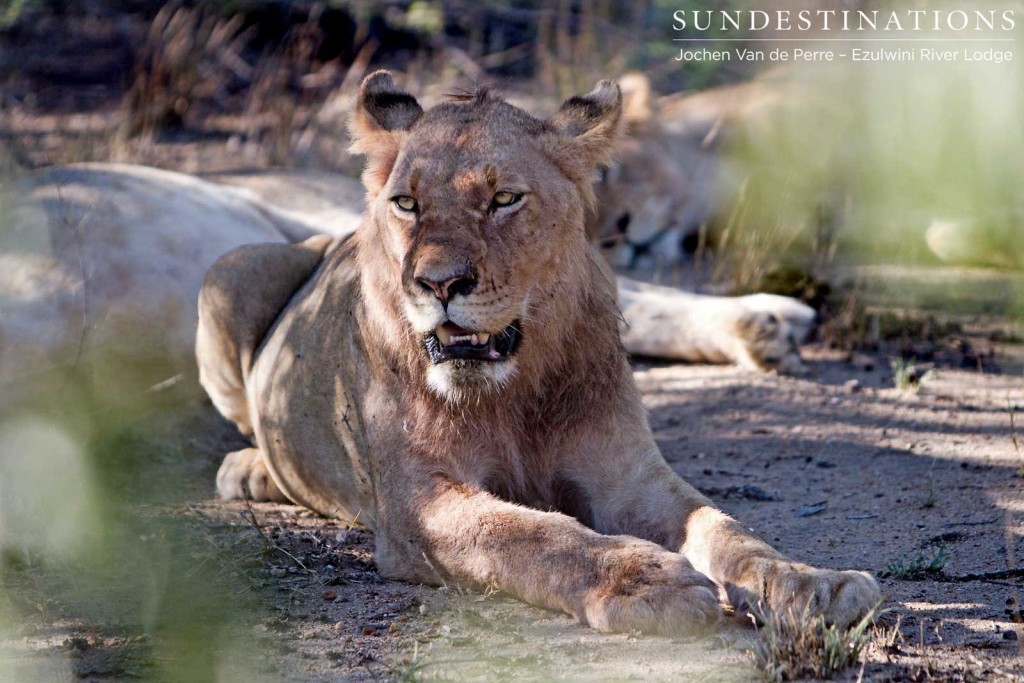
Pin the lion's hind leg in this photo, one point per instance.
(242, 296)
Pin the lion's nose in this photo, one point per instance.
(445, 288)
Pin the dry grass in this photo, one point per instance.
(188, 55)
(793, 646)
(908, 376)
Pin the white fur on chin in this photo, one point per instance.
(456, 382)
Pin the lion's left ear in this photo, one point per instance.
(383, 114)
(593, 121)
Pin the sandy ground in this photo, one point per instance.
(837, 468)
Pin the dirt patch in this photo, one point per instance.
(849, 472)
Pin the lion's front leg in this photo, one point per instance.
(651, 501)
(755, 575)
(613, 583)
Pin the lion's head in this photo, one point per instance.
(474, 248)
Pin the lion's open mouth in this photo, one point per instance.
(451, 342)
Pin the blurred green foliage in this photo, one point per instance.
(93, 541)
(904, 164)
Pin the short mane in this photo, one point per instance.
(480, 94)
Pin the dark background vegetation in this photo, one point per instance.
(268, 71)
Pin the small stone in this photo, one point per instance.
(330, 595)
(423, 610)
(865, 363)
(278, 572)
(1010, 635)
(369, 630)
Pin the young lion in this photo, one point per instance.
(453, 374)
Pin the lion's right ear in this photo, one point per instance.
(383, 115)
(591, 122)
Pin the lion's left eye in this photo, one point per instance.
(405, 203)
(506, 198)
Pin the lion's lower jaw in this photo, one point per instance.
(458, 381)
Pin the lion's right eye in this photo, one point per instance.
(505, 198)
(405, 203)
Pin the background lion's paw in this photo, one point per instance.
(841, 597)
(651, 590)
(244, 475)
(798, 316)
(770, 330)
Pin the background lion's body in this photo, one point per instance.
(107, 260)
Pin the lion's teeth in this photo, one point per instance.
(448, 339)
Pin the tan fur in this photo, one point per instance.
(665, 182)
(537, 475)
(100, 266)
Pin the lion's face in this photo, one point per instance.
(480, 220)
(642, 220)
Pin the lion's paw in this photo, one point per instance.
(648, 589)
(841, 597)
(244, 476)
(770, 330)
